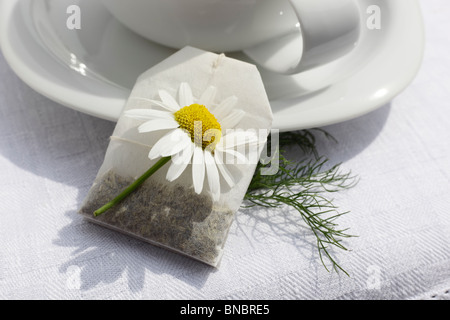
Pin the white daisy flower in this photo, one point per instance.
(199, 132)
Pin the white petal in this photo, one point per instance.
(213, 175)
(157, 103)
(180, 141)
(228, 177)
(233, 119)
(148, 114)
(185, 95)
(235, 138)
(170, 144)
(179, 163)
(208, 96)
(168, 100)
(225, 107)
(198, 169)
(158, 124)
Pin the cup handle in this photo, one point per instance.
(327, 30)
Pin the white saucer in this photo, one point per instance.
(93, 69)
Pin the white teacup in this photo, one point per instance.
(285, 36)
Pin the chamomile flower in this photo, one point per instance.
(199, 132)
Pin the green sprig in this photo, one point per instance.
(304, 186)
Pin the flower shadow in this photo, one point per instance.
(105, 256)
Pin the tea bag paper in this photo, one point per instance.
(171, 214)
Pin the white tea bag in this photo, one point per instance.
(202, 119)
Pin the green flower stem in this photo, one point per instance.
(132, 186)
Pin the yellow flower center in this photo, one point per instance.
(201, 124)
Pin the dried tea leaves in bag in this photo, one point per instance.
(201, 119)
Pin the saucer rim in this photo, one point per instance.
(101, 106)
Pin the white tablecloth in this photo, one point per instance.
(49, 156)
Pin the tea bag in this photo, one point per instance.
(189, 203)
